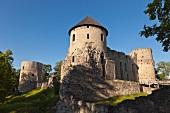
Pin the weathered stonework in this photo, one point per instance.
(157, 102)
(92, 71)
(30, 75)
(145, 62)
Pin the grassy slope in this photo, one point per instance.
(35, 101)
(43, 101)
(118, 99)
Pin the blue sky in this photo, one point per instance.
(37, 30)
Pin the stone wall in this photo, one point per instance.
(157, 102)
(30, 75)
(85, 84)
(125, 66)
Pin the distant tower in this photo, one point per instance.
(145, 63)
(30, 75)
(87, 34)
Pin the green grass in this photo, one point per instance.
(118, 99)
(35, 101)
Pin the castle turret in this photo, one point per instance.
(30, 75)
(145, 63)
(87, 34)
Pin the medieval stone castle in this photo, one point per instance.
(88, 47)
(92, 71)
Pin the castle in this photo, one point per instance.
(88, 47)
(92, 71)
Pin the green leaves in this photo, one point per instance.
(163, 69)
(57, 69)
(159, 10)
(5, 74)
(46, 71)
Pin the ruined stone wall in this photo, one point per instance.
(30, 75)
(88, 56)
(125, 66)
(84, 83)
(157, 102)
(145, 63)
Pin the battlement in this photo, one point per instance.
(143, 49)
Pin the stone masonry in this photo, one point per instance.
(92, 71)
(145, 63)
(30, 75)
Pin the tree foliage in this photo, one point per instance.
(57, 69)
(163, 70)
(47, 68)
(15, 79)
(57, 73)
(5, 74)
(159, 10)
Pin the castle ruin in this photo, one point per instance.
(92, 71)
(88, 47)
(30, 75)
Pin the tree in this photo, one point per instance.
(159, 10)
(5, 74)
(46, 71)
(57, 69)
(15, 79)
(163, 70)
(57, 72)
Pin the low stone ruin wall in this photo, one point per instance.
(82, 84)
(157, 102)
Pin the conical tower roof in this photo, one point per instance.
(89, 21)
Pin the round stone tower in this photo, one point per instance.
(30, 75)
(85, 36)
(145, 63)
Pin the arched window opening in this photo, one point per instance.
(73, 37)
(87, 36)
(101, 37)
(102, 58)
(73, 59)
(23, 67)
(120, 66)
(127, 77)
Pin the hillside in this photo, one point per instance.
(35, 101)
